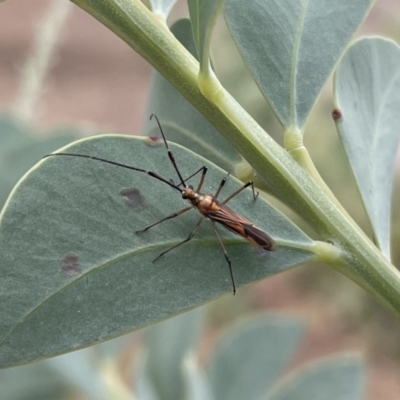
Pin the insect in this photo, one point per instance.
(206, 204)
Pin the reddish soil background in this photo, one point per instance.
(97, 81)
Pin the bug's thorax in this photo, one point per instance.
(203, 202)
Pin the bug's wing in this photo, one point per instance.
(241, 226)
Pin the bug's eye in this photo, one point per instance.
(190, 187)
(184, 195)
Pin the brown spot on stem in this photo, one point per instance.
(337, 115)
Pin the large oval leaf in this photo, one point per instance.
(367, 93)
(73, 271)
(291, 47)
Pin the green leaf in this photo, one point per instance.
(162, 7)
(82, 372)
(291, 47)
(21, 148)
(181, 122)
(143, 388)
(167, 344)
(73, 268)
(13, 133)
(249, 359)
(197, 386)
(203, 14)
(336, 378)
(15, 162)
(38, 381)
(367, 91)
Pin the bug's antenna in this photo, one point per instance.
(170, 155)
(151, 173)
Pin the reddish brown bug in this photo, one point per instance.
(208, 206)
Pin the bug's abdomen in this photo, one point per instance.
(259, 237)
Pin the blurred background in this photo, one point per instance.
(95, 83)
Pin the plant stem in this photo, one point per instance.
(361, 260)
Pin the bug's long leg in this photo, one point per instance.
(170, 155)
(246, 185)
(221, 185)
(203, 175)
(203, 170)
(183, 241)
(151, 173)
(175, 214)
(226, 256)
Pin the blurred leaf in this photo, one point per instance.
(162, 7)
(143, 387)
(38, 381)
(249, 359)
(367, 90)
(291, 47)
(73, 268)
(112, 348)
(167, 343)
(21, 148)
(15, 162)
(13, 133)
(181, 122)
(203, 14)
(197, 386)
(337, 378)
(78, 368)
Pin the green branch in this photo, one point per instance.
(359, 259)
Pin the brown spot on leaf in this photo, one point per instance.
(153, 140)
(70, 265)
(336, 115)
(132, 198)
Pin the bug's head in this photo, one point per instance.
(188, 193)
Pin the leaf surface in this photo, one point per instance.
(73, 270)
(291, 47)
(203, 14)
(367, 95)
(181, 122)
(248, 359)
(166, 345)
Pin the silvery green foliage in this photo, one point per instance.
(367, 97)
(291, 47)
(248, 362)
